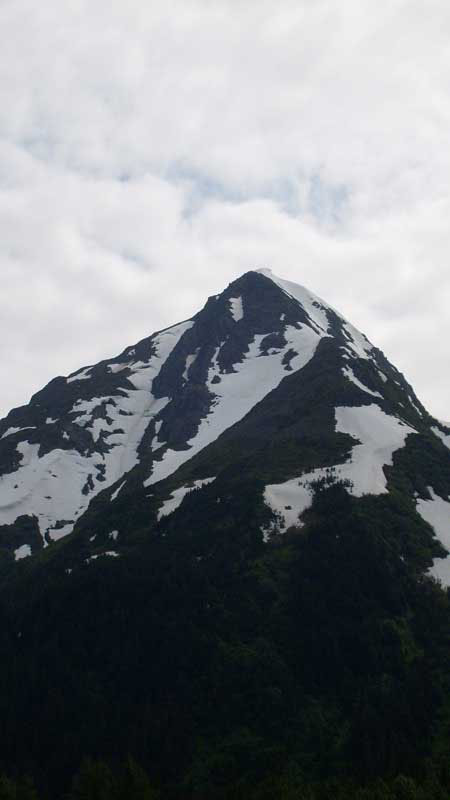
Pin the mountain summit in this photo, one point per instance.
(266, 386)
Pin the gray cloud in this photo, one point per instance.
(148, 156)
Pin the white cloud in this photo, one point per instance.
(149, 154)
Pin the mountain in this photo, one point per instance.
(224, 554)
(266, 381)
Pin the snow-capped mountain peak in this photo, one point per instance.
(266, 373)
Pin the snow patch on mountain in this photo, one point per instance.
(358, 343)
(13, 430)
(379, 436)
(59, 485)
(115, 368)
(288, 500)
(415, 406)
(60, 531)
(156, 444)
(313, 305)
(50, 487)
(437, 513)
(350, 375)
(111, 553)
(116, 492)
(445, 437)
(237, 310)
(81, 375)
(190, 359)
(22, 552)
(178, 495)
(238, 392)
(317, 311)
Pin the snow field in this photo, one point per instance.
(81, 375)
(178, 495)
(379, 435)
(237, 310)
(11, 431)
(238, 392)
(350, 375)
(51, 487)
(22, 552)
(316, 309)
(444, 436)
(437, 513)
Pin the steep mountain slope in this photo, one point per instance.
(266, 381)
(231, 528)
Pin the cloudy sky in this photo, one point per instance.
(151, 152)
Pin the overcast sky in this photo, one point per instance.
(151, 152)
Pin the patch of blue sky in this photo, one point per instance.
(297, 196)
(327, 202)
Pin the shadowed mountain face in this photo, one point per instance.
(266, 385)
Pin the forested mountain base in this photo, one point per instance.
(313, 666)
